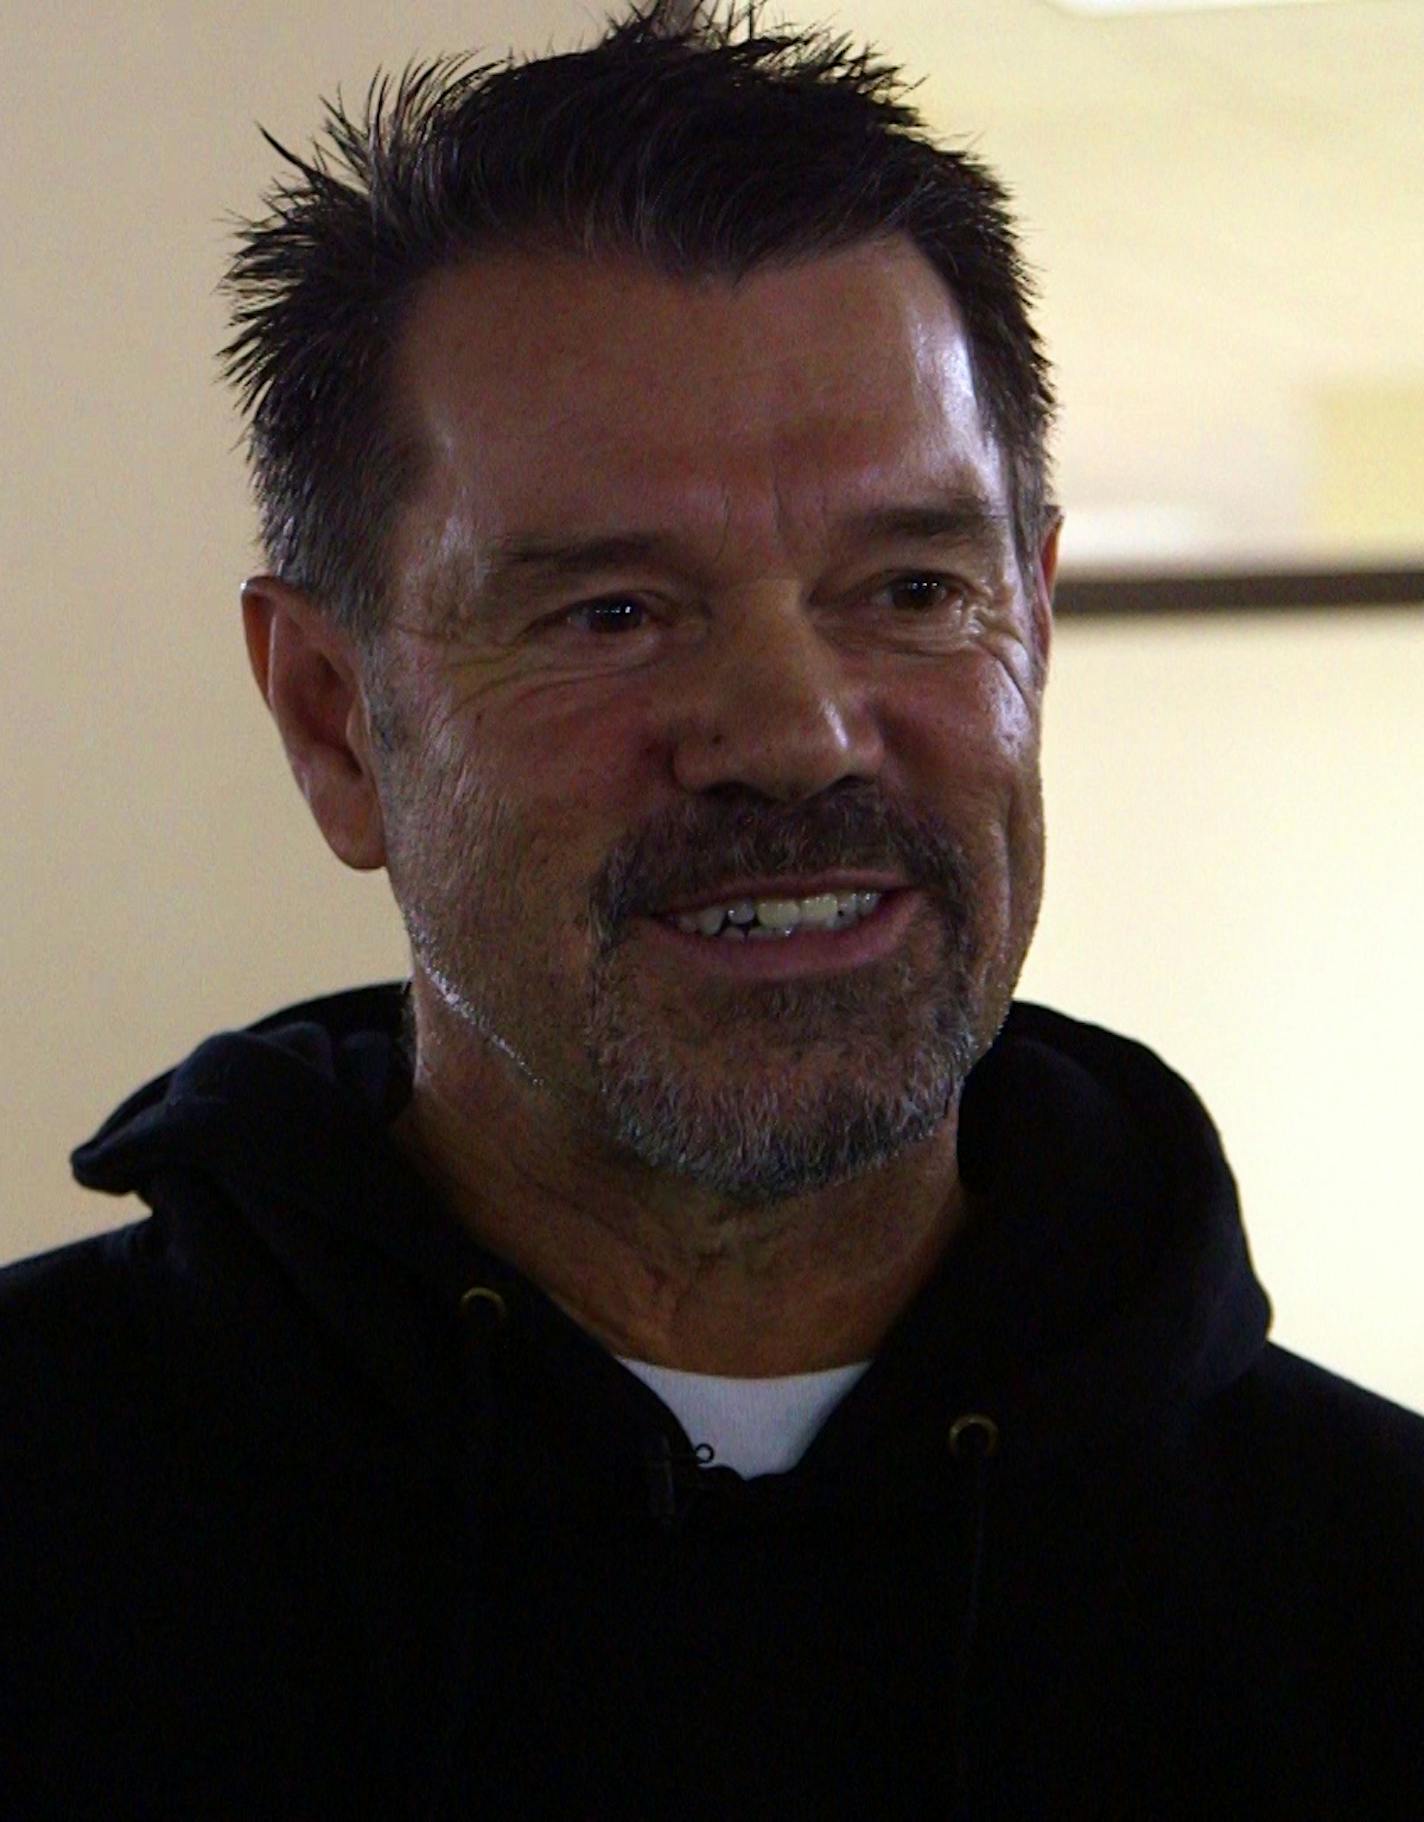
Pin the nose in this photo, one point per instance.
(772, 705)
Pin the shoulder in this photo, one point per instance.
(83, 1298)
(1324, 1476)
(79, 1353)
(145, 1329)
(1334, 1419)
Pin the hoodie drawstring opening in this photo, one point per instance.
(973, 1439)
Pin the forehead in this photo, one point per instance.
(550, 390)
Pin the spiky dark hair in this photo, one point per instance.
(703, 145)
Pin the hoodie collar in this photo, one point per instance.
(1103, 1284)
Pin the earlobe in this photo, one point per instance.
(303, 667)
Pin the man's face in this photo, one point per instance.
(761, 691)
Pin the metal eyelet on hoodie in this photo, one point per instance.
(973, 1437)
(485, 1332)
(484, 1309)
(983, 1431)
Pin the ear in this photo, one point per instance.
(306, 670)
(1042, 605)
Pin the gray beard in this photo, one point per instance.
(894, 1059)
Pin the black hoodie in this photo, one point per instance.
(292, 1526)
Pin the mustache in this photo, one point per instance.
(698, 845)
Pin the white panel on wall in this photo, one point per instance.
(1236, 878)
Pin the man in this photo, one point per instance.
(703, 1348)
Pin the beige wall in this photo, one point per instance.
(1236, 859)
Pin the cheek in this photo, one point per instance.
(968, 733)
(969, 743)
(571, 785)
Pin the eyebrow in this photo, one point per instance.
(963, 518)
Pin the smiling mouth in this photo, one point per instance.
(771, 917)
(834, 939)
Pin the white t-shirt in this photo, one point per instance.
(757, 1426)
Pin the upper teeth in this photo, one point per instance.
(822, 912)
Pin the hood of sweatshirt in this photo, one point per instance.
(1106, 1282)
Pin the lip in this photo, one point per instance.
(791, 958)
(796, 886)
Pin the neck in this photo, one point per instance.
(670, 1274)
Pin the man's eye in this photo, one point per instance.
(922, 594)
(614, 614)
(622, 614)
